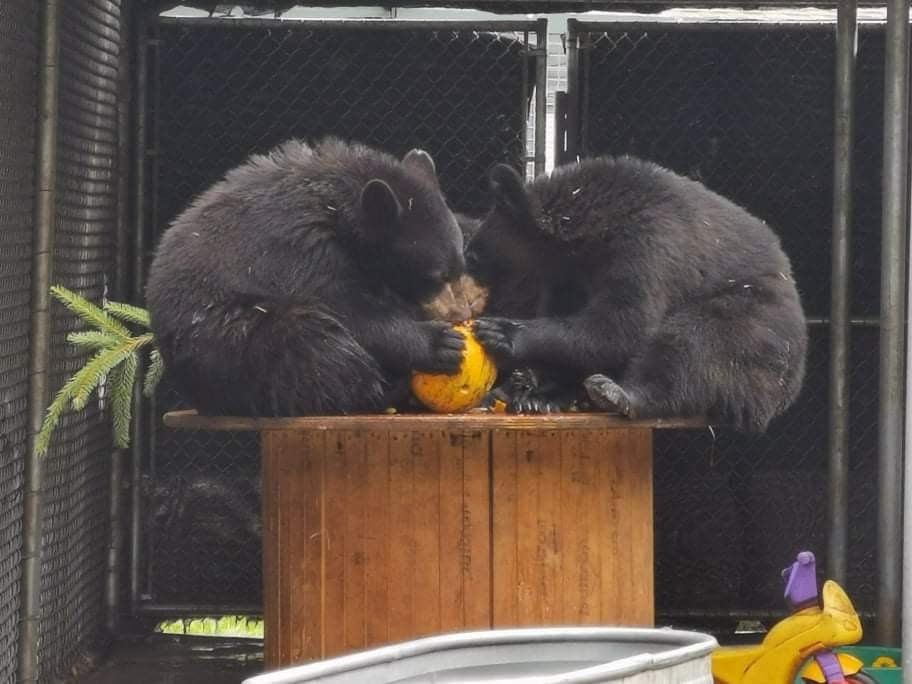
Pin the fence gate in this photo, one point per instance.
(219, 89)
(747, 109)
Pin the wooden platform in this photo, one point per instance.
(385, 528)
(191, 420)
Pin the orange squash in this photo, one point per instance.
(462, 391)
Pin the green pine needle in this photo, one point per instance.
(154, 373)
(92, 340)
(122, 379)
(128, 313)
(52, 417)
(94, 372)
(90, 313)
(116, 356)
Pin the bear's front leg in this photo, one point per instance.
(402, 345)
(583, 344)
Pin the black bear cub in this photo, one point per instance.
(300, 283)
(660, 296)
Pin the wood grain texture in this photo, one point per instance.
(572, 522)
(292, 529)
(372, 537)
(190, 420)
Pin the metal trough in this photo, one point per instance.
(569, 655)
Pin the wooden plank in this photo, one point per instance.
(378, 551)
(292, 546)
(354, 585)
(311, 450)
(335, 510)
(538, 519)
(625, 479)
(590, 547)
(272, 596)
(550, 532)
(636, 606)
(402, 569)
(190, 420)
(424, 448)
(454, 539)
(505, 578)
(580, 586)
(476, 544)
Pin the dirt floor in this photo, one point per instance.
(160, 659)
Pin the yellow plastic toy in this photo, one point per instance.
(465, 389)
(806, 637)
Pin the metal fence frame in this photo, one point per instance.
(895, 220)
(894, 225)
(75, 222)
(147, 421)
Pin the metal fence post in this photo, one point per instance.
(541, 94)
(840, 289)
(40, 346)
(139, 252)
(121, 291)
(895, 223)
(572, 148)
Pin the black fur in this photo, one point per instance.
(680, 300)
(296, 285)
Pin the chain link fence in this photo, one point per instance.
(224, 88)
(77, 468)
(748, 110)
(18, 74)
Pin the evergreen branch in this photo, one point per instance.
(116, 356)
(128, 313)
(122, 380)
(93, 373)
(92, 340)
(52, 417)
(90, 313)
(154, 373)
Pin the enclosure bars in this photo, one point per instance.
(541, 94)
(840, 321)
(115, 567)
(40, 341)
(568, 147)
(142, 452)
(892, 324)
(138, 444)
(840, 290)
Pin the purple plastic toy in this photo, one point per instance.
(801, 581)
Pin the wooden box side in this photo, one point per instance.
(572, 527)
(372, 537)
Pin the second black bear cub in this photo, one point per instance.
(665, 298)
(298, 284)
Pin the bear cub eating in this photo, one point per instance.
(658, 295)
(302, 282)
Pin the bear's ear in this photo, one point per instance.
(509, 190)
(379, 203)
(421, 163)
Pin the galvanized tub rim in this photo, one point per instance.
(692, 645)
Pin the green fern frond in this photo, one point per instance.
(154, 373)
(93, 373)
(122, 379)
(90, 313)
(128, 313)
(92, 340)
